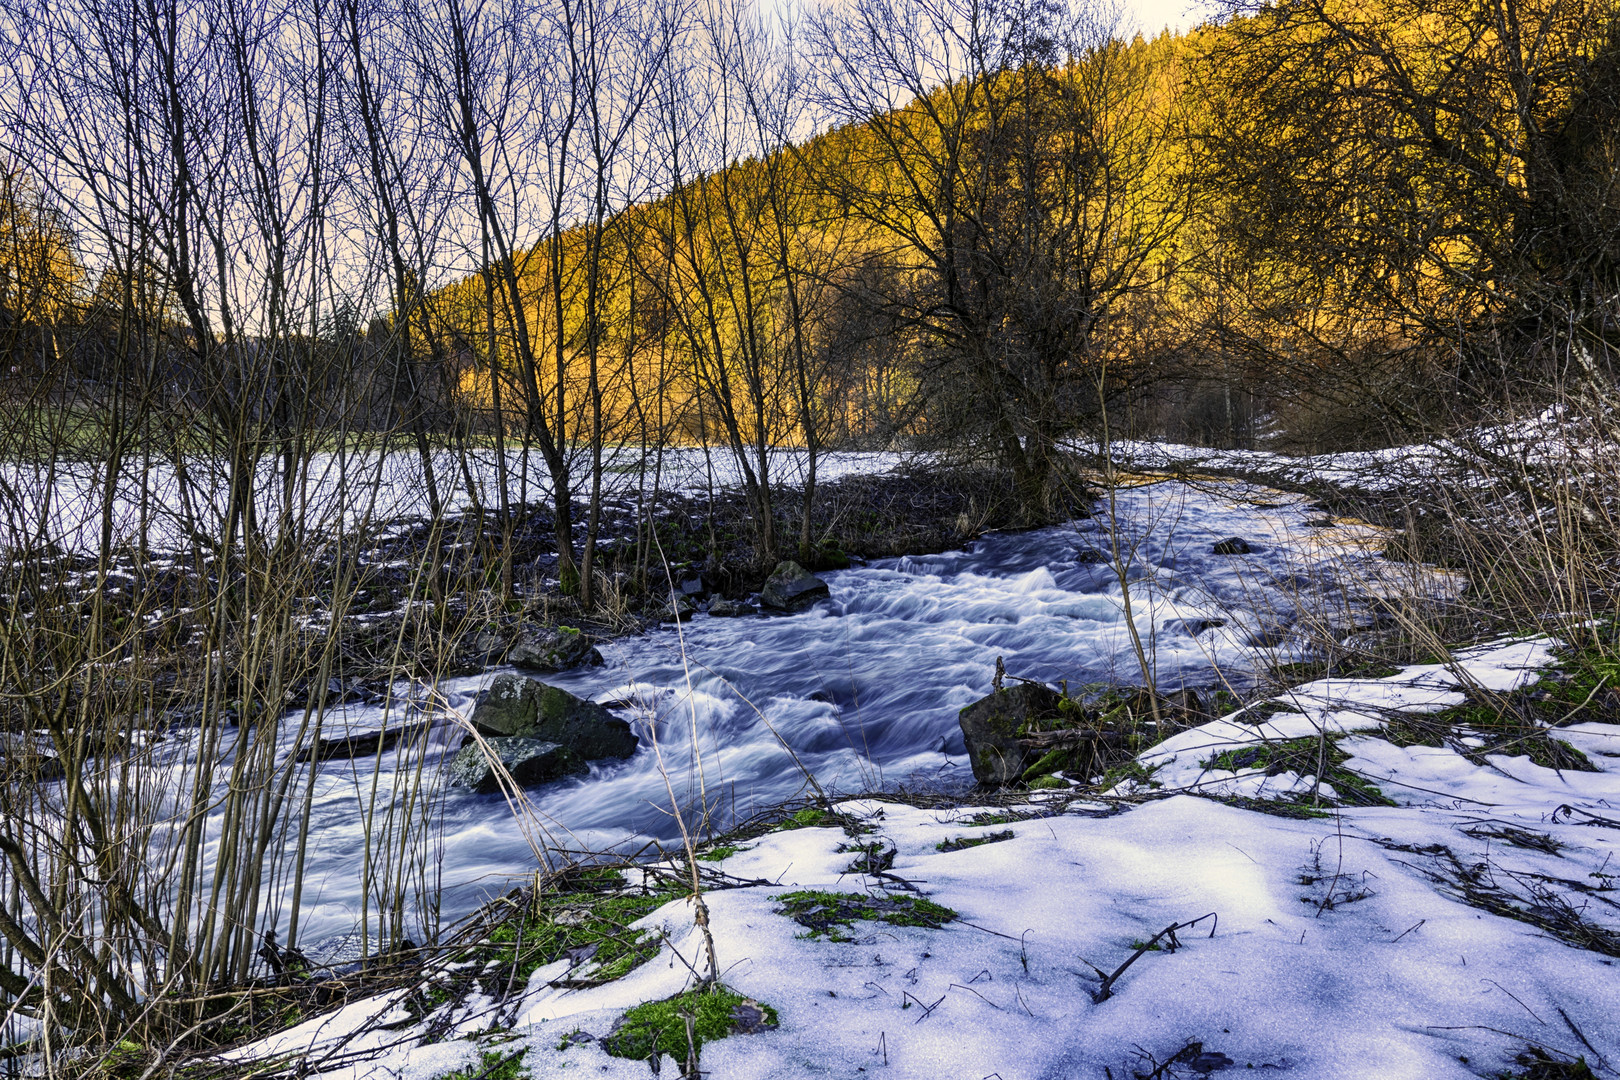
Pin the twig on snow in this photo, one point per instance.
(1106, 990)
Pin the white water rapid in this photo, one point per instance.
(864, 688)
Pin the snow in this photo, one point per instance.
(359, 487)
(1340, 946)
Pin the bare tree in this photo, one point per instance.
(1004, 155)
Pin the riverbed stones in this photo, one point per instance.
(363, 745)
(1232, 545)
(792, 588)
(552, 648)
(995, 726)
(527, 761)
(679, 609)
(528, 708)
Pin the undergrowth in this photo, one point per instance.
(661, 1027)
(1304, 757)
(587, 920)
(493, 1065)
(962, 843)
(830, 914)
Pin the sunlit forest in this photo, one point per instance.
(983, 228)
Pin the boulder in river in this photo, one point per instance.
(552, 648)
(723, 608)
(529, 761)
(1029, 731)
(1232, 545)
(792, 588)
(993, 727)
(528, 708)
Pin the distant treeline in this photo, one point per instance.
(983, 226)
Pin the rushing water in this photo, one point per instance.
(863, 690)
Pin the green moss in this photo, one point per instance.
(979, 821)
(582, 923)
(659, 1027)
(1538, 1064)
(1050, 762)
(1048, 783)
(1130, 770)
(1262, 711)
(1414, 729)
(127, 1058)
(1288, 806)
(719, 854)
(1514, 728)
(553, 705)
(959, 843)
(493, 1065)
(1304, 757)
(829, 914)
(811, 818)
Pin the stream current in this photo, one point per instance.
(863, 689)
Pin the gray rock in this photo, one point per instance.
(992, 727)
(792, 588)
(679, 609)
(529, 761)
(552, 648)
(529, 708)
(727, 609)
(488, 641)
(1232, 545)
(353, 746)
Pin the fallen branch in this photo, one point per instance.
(1106, 990)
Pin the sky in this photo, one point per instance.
(1151, 16)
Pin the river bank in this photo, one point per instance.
(1219, 910)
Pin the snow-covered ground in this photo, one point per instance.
(61, 502)
(1337, 946)
(1557, 440)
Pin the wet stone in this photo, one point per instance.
(529, 761)
(552, 648)
(528, 708)
(992, 727)
(792, 588)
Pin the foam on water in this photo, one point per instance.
(863, 690)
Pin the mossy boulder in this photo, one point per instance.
(792, 588)
(552, 648)
(529, 761)
(994, 727)
(515, 706)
